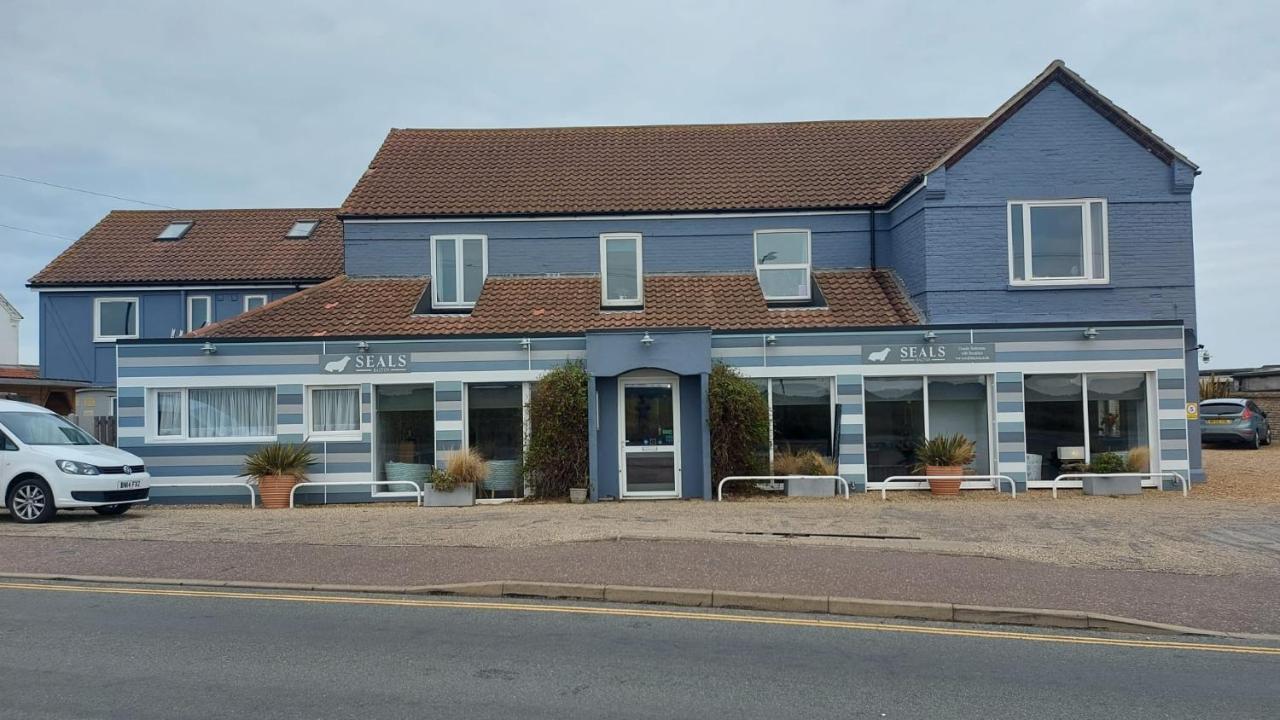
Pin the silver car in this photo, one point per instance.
(1234, 420)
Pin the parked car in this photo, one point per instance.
(1234, 420)
(48, 464)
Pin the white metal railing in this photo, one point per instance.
(418, 492)
(922, 481)
(252, 495)
(1081, 476)
(720, 487)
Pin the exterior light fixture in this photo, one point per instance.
(1205, 357)
(647, 340)
(525, 343)
(931, 336)
(362, 346)
(770, 339)
(1090, 333)
(208, 348)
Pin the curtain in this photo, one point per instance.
(232, 412)
(169, 412)
(335, 409)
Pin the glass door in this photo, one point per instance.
(650, 439)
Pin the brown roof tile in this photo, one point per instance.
(654, 168)
(383, 307)
(222, 246)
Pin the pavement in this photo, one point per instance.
(137, 653)
(1234, 603)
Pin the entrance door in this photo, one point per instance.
(650, 422)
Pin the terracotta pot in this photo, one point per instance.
(273, 490)
(943, 487)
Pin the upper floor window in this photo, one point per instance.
(253, 302)
(621, 269)
(175, 230)
(199, 311)
(459, 264)
(782, 264)
(302, 229)
(1058, 242)
(115, 319)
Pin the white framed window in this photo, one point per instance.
(199, 311)
(302, 229)
(782, 264)
(213, 413)
(621, 269)
(175, 230)
(1058, 242)
(170, 420)
(459, 265)
(115, 319)
(253, 302)
(333, 411)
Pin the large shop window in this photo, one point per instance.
(622, 269)
(406, 429)
(1058, 242)
(115, 318)
(231, 412)
(900, 411)
(782, 264)
(495, 429)
(801, 410)
(335, 411)
(459, 266)
(1073, 418)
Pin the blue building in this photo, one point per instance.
(1024, 278)
(160, 274)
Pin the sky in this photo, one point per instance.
(275, 104)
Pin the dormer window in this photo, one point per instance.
(459, 265)
(175, 230)
(621, 270)
(302, 229)
(782, 264)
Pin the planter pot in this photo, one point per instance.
(273, 490)
(463, 495)
(577, 495)
(943, 487)
(801, 486)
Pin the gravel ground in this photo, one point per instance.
(1227, 526)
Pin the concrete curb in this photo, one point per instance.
(689, 597)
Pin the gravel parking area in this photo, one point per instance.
(1227, 526)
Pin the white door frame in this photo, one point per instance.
(642, 380)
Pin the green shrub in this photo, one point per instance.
(738, 417)
(558, 456)
(278, 459)
(944, 451)
(1108, 462)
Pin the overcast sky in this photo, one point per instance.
(264, 104)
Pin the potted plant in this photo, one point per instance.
(455, 484)
(943, 459)
(277, 468)
(578, 493)
(804, 471)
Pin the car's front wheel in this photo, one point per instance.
(31, 501)
(117, 509)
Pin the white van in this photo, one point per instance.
(48, 464)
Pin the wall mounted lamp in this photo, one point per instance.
(208, 348)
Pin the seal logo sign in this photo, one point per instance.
(337, 366)
(878, 356)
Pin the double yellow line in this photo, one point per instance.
(656, 613)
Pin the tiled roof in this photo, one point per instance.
(19, 372)
(222, 246)
(384, 307)
(654, 168)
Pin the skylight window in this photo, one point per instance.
(175, 230)
(302, 229)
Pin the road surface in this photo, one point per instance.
(138, 653)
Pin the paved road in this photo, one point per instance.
(103, 653)
(1231, 603)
